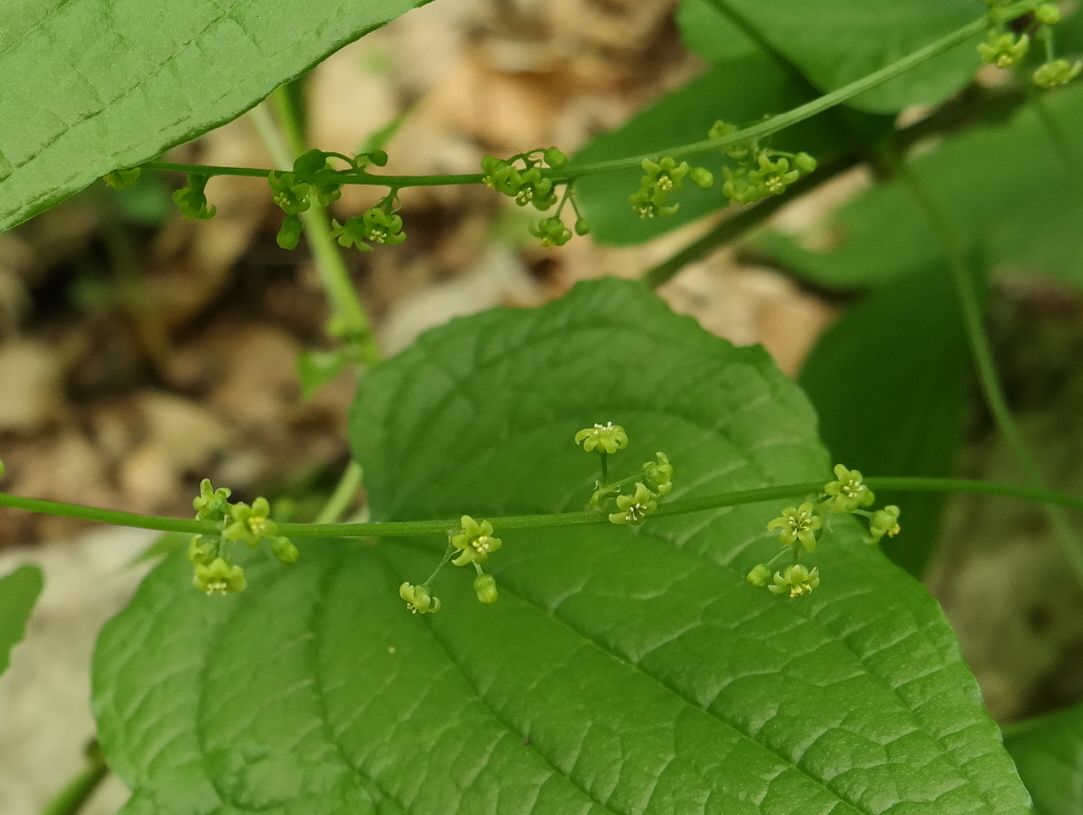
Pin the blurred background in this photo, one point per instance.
(140, 352)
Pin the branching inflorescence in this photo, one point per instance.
(800, 527)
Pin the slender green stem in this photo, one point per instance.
(756, 131)
(343, 494)
(966, 288)
(508, 522)
(72, 799)
(329, 264)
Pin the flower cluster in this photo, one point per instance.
(800, 527)
(528, 179)
(380, 225)
(213, 569)
(191, 199)
(1006, 48)
(630, 500)
(468, 545)
(760, 172)
(660, 180)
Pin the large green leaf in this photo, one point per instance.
(87, 86)
(834, 42)
(888, 381)
(18, 593)
(1006, 188)
(624, 670)
(737, 91)
(1049, 754)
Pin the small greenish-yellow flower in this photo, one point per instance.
(605, 438)
(758, 575)
(353, 234)
(251, 524)
(418, 599)
(741, 151)
(289, 234)
(645, 205)
(633, 509)
(475, 541)
(659, 474)
(381, 226)
(285, 551)
(191, 199)
(665, 174)
(798, 525)
(1004, 50)
(795, 580)
(535, 189)
(1057, 72)
(1047, 14)
(289, 195)
(702, 177)
(551, 232)
(884, 522)
(738, 186)
(556, 158)
(848, 491)
(804, 163)
(485, 589)
(211, 504)
(202, 549)
(773, 175)
(218, 577)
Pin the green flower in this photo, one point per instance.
(289, 234)
(475, 541)
(211, 504)
(605, 438)
(485, 589)
(798, 525)
(285, 551)
(884, 522)
(702, 177)
(1057, 72)
(289, 195)
(551, 232)
(382, 226)
(1004, 50)
(535, 189)
(758, 575)
(738, 186)
(418, 600)
(1048, 14)
(645, 204)
(192, 201)
(659, 474)
(633, 509)
(202, 549)
(352, 234)
(741, 151)
(795, 580)
(218, 577)
(251, 524)
(773, 175)
(555, 158)
(665, 175)
(848, 492)
(500, 175)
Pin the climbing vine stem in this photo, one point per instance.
(572, 171)
(966, 283)
(678, 506)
